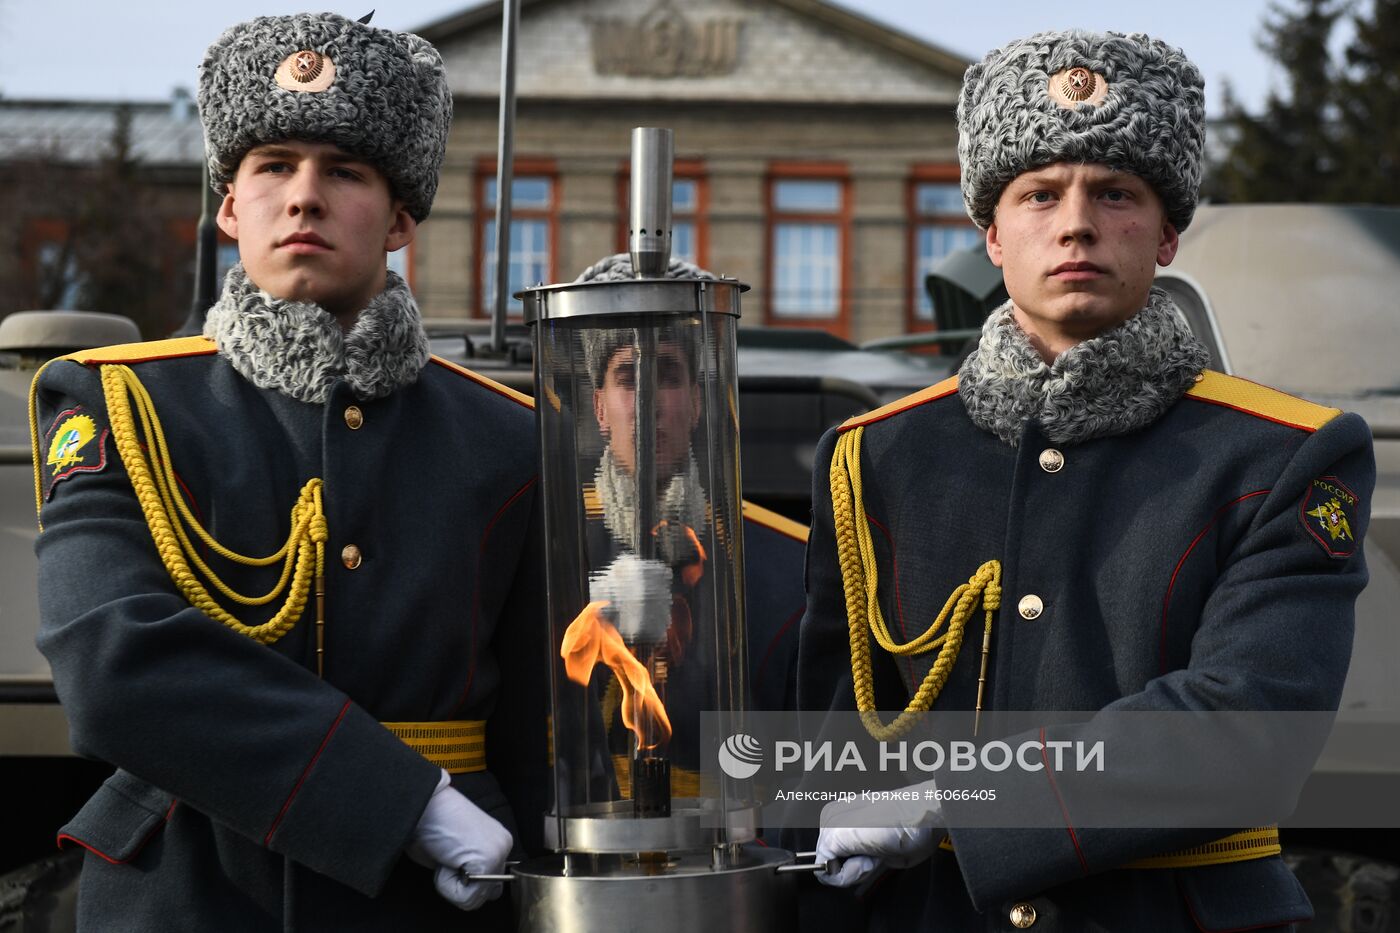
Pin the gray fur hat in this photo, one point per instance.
(318, 77)
(599, 344)
(1128, 101)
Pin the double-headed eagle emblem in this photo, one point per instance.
(1331, 517)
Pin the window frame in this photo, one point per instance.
(941, 173)
(681, 170)
(486, 173)
(838, 172)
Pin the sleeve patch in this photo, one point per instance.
(75, 443)
(1328, 513)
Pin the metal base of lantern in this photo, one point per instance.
(612, 827)
(682, 892)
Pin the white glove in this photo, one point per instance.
(456, 837)
(866, 837)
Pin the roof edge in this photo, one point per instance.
(831, 14)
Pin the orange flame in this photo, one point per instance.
(589, 639)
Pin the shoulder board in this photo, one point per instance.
(145, 351)
(770, 519)
(493, 385)
(1260, 401)
(932, 393)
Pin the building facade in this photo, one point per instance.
(815, 156)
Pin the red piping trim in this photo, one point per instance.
(1247, 411)
(898, 605)
(48, 435)
(1083, 863)
(476, 593)
(773, 645)
(65, 837)
(267, 840)
(1167, 600)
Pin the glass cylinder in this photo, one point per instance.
(637, 399)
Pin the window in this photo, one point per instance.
(939, 226)
(689, 199)
(685, 204)
(531, 237)
(809, 223)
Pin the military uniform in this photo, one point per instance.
(1144, 536)
(774, 549)
(1191, 564)
(253, 794)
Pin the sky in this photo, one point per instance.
(143, 49)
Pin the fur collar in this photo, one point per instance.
(1115, 383)
(681, 503)
(297, 348)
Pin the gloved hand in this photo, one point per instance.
(869, 836)
(638, 594)
(456, 837)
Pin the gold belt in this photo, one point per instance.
(1242, 846)
(456, 746)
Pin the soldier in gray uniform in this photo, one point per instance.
(290, 571)
(1142, 534)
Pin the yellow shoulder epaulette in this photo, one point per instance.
(491, 384)
(145, 351)
(1260, 401)
(770, 519)
(932, 393)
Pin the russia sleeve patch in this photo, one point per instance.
(74, 444)
(1327, 513)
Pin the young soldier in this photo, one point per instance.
(1164, 537)
(773, 544)
(287, 728)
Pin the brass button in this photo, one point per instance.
(1051, 460)
(350, 555)
(354, 417)
(1030, 607)
(1022, 916)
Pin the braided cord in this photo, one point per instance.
(35, 445)
(860, 579)
(155, 484)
